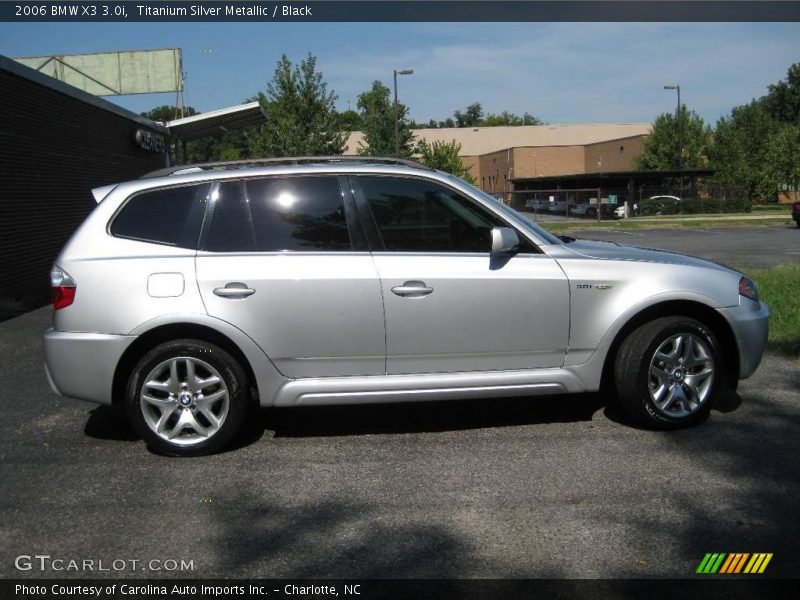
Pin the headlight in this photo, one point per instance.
(748, 289)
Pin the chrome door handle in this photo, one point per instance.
(412, 289)
(234, 290)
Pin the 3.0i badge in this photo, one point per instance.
(597, 286)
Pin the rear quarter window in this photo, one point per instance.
(171, 216)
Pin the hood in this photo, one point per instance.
(614, 251)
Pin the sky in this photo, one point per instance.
(561, 72)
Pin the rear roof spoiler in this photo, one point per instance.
(101, 192)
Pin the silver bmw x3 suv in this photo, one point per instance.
(192, 292)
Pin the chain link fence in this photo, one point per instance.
(621, 202)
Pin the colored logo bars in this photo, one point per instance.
(734, 563)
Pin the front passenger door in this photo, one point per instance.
(449, 307)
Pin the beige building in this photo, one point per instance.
(496, 155)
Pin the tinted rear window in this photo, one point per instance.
(278, 214)
(170, 216)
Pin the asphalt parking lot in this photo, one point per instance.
(739, 247)
(545, 487)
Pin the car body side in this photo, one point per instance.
(607, 288)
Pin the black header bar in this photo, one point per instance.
(405, 11)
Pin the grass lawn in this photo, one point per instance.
(671, 222)
(780, 288)
(766, 209)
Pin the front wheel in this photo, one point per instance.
(667, 372)
(187, 398)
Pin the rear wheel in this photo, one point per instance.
(591, 213)
(668, 372)
(187, 398)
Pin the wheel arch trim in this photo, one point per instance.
(596, 370)
(263, 375)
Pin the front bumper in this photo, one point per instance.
(750, 324)
(82, 365)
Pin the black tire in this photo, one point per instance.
(209, 362)
(682, 404)
(591, 213)
(797, 223)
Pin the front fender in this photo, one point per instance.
(588, 363)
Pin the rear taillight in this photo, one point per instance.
(63, 288)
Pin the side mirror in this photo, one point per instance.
(504, 239)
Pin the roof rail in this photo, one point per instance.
(289, 160)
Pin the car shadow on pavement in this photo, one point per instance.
(450, 415)
(109, 423)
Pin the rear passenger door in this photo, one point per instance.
(281, 259)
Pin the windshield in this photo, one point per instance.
(519, 219)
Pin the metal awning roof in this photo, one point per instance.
(217, 121)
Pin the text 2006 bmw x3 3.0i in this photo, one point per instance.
(192, 291)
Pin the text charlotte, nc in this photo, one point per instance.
(198, 10)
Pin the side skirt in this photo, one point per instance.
(421, 387)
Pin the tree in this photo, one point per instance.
(471, 117)
(166, 113)
(738, 152)
(444, 156)
(509, 119)
(663, 149)
(783, 100)
(302, 116)
(755, 148)
(782, 159)
(349, 121)
(377, 124)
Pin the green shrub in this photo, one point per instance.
(658, 206)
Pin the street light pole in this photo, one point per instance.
(396, 120)
(600, 189)
(680, 136)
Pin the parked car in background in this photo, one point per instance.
(584, 209)
(660, 205)
(190, 293)
(619, 210)
(537, 204)
(796, 213)
(560, 206)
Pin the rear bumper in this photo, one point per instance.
(82, 365)
(750, 324)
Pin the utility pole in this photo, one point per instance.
(680, 136)
(396, 119)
